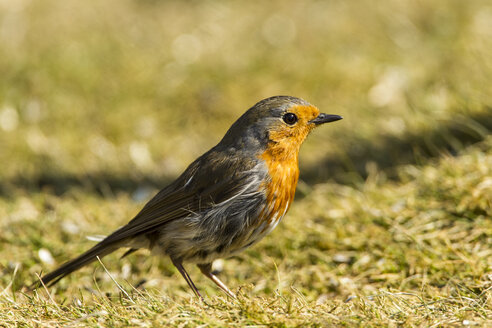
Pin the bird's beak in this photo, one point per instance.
(325, 118)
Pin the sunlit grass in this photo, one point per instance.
(414, 252)
(103, 104)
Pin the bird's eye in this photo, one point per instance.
(290, 118)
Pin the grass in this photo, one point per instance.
(102, 105)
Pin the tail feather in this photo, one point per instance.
(101, 249)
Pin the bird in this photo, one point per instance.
(225, 201)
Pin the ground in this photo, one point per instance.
(103, 105)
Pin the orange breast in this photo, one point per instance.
(280, 188)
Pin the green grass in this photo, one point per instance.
(103, 104)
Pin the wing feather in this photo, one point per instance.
(212, 182)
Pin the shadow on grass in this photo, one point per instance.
(103, 183)
(387, 152)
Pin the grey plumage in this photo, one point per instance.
(219, 206)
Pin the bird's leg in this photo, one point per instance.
(179, 265)
(206, 269)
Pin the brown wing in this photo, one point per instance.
(211, 179)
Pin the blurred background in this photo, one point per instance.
(121, 92)
(104, 102)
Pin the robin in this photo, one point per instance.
(226, 200)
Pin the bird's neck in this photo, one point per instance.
(281, 152)
(283, 169)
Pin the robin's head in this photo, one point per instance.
(280, 122)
